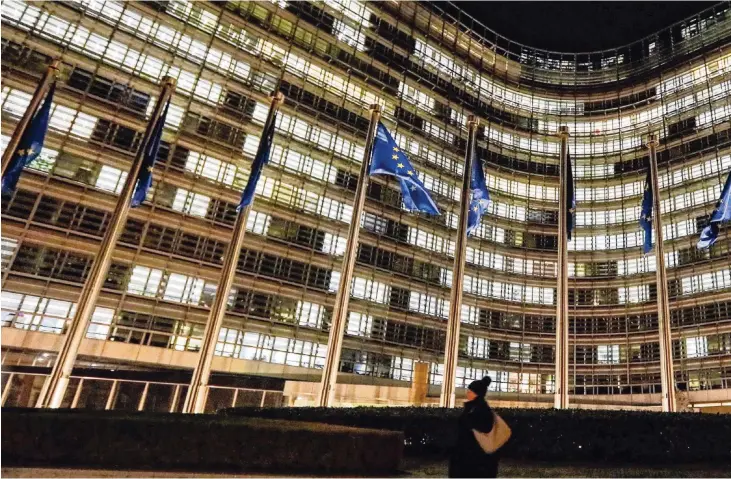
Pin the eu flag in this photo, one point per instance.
(570, 198)
(144, 177)
(646, 213)
(480, 197)
(261, 159)
(388, 159)
(721, 214)
(30, 145)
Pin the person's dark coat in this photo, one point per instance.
(468, 459)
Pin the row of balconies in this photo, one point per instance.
(307, 276)
(129, 137)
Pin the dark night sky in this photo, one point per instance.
(579, 26)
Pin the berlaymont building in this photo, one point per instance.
(429, 67)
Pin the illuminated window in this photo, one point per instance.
(634, 294)
(478, 347)
(402, 368)
(310, 314)
(100, 323)
(520, 352)
(144, 281)
(359, 324)
(9, 245)
(608, 353)
(416, 97)
(370, 290)
(258, 223)
(428, 304)
(696, 347)
(35, 313)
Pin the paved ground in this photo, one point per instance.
(411, 467)
(52, 472)
(421, 468)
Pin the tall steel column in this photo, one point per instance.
(195, 400)
(451, 351)
(561, 395)
(667, 375)
(326, 395)
(55, 386)
(41, 90)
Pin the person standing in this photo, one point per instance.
(468, 459)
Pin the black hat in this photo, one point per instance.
(480, 387)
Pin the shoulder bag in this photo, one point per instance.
(496, 438)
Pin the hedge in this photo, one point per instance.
(577, 436)
(38, 438)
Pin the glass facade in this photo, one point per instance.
(429, 67)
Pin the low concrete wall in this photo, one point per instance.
(304, 394)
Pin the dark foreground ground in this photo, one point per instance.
(412, 468)
(422, 468)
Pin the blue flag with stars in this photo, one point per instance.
(480, 197)
(261, 159)
(722, 214)
(144, 177)
(388, 159)
(30, 145)
(570, 198)
(646, 213)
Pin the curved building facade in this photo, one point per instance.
(429, 69)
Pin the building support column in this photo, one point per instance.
(667, 374)
(561, 394)
(419, 384)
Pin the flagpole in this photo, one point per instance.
(326, 394)
(667, 375)
(41, 90)
(55, 386)
(561, 395)
(195, 400)
(451, 349)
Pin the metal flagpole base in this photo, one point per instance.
(59, 392)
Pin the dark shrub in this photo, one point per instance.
(32, 437)
(619, 437)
